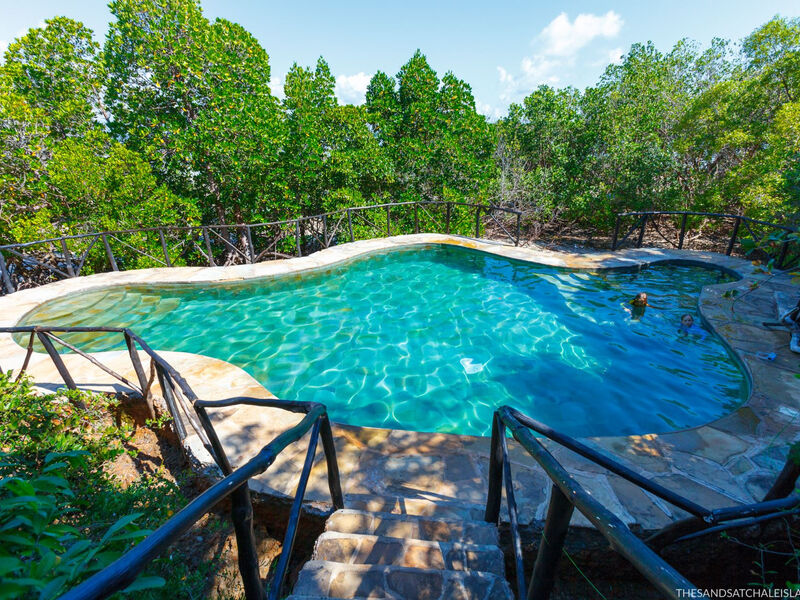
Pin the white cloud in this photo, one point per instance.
(539, 69)
(352, 89)
(557, 47)
(615, 56)
(276, 87)
(562, 38)
(490, 112)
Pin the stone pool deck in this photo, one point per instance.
(732, 460)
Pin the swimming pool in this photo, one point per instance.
(433, 338)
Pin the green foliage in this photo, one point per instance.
(331, 159)
(41, 554)
(117, 191)
(173, 122)
(56, 69)
(193, 97)
(60, 510)
(746, 128)
(24, 150)
(705, 131)
(441, 148)
(61, 173)
(548, 126)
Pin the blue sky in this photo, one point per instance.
(502, 49)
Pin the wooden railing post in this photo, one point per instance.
(388, 221)
(57, 360)
(641, 231)
(297, 237)
(494, 496)
(734, 235)
(513, 519)
(164, 247)
(111, 260)
(616, 232)
(242, 517)
(519, 222)
(477, 221)
(5, 275)
(447, 218)
(334, 482)
(139, 370)
(683, 231)
(324, 231)
(559, 513)
(251, 250)
(67, 257)
(350, 225)
(416, 217)
(207, 241)
(169, 397)
(294, 516)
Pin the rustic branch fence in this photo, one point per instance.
(35, 263)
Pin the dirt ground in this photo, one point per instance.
(211, 541)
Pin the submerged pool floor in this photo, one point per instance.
(434, 338)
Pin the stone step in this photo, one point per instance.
(337, 580)
(353, 548)
(446, 509)
(412, 527)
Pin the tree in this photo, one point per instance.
(99, 184)
(56, 69)
(24, 153)
(60, 172)
(440, 146)
(49, 87)
(739, 134)
(632, 114)
(543, 152)
(308, 103)
(332, 159)
(194, 98)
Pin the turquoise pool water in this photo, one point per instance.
(434, 338)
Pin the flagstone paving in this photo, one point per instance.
(729, 461)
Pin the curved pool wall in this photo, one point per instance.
(433, 338)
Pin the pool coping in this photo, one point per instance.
(738, 455)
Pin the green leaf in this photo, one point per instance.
(145, 583)
(9, 564)
(53, 588)
(119, 524)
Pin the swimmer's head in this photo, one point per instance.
(641, 297)
(687, 320)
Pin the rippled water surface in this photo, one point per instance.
(433, 338)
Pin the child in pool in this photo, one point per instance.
(687, 327)
(639, 303)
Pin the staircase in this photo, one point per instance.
(405, 549)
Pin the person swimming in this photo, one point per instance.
(640, 299)
(687, 327)
(639, 303)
